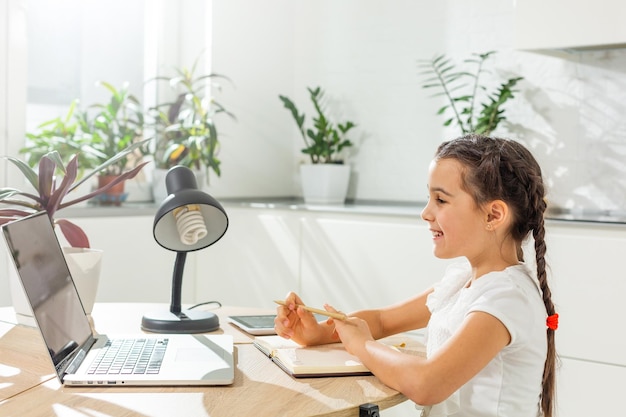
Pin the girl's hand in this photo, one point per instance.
(353, 331)
(300, 325)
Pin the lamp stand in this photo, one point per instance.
(177, 320)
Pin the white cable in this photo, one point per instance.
(190, 224)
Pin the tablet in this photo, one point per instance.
(261, 324)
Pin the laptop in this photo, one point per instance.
(82, 358)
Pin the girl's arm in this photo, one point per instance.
(408, 315)
(429, 381)
(301, 326)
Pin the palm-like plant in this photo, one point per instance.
(185, 129)
(115, 126)
(462, 89)
(50, 196)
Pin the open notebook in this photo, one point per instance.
(83, 358)
(313, 361)
(323, 360)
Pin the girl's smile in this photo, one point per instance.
(436, 234)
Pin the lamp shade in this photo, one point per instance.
(183, 192)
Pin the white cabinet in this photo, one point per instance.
(564, 24)
(587, 389)
(351, 261)
(588, 282)
(363, 261)
(256, 262)
(134, 266)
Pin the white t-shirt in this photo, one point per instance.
(510, 385)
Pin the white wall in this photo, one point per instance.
(253, 45)
(12, 101)
(72, 46)
(365, 53)
(13, 80)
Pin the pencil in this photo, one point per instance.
(317, 310)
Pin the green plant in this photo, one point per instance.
(114, 127)
(61, 134)
(51, 197)
(185, 129)
(463, 89)
(325, 141)
(95, 134)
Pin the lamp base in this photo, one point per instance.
(187, 321)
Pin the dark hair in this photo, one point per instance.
(502, 169)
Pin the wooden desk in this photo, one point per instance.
(260, 388)
(24, 362)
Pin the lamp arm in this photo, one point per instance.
(177, 282)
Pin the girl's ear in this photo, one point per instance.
(497, 214)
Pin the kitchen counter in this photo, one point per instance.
(388, 208)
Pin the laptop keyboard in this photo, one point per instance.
(130, 356)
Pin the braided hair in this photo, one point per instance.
(501, 169)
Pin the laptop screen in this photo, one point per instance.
(40, 263)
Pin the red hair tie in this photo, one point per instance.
(553, 321)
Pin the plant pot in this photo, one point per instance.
(158, 185)
(84, 265)
(325, 183)
(113, 197)
(138, 190)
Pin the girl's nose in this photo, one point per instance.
(426, 214)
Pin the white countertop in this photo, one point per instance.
(388, 208)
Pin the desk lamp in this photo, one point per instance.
(187, 220)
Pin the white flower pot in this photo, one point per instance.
(325, 183)
(158, 185)
(84, 265)
(139, 191)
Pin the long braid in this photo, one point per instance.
(535, 212)
(506, 170)
(549, 370)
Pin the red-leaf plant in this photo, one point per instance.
(51, 197)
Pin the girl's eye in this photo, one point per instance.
(437, 199)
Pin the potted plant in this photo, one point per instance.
(115, 125)
(462, 91)
(325, 180)
(95, 136)
(52, 195)
(185, 130)
(53, 184)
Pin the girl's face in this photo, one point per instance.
(458, 226)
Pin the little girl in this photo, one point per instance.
(490, 320)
